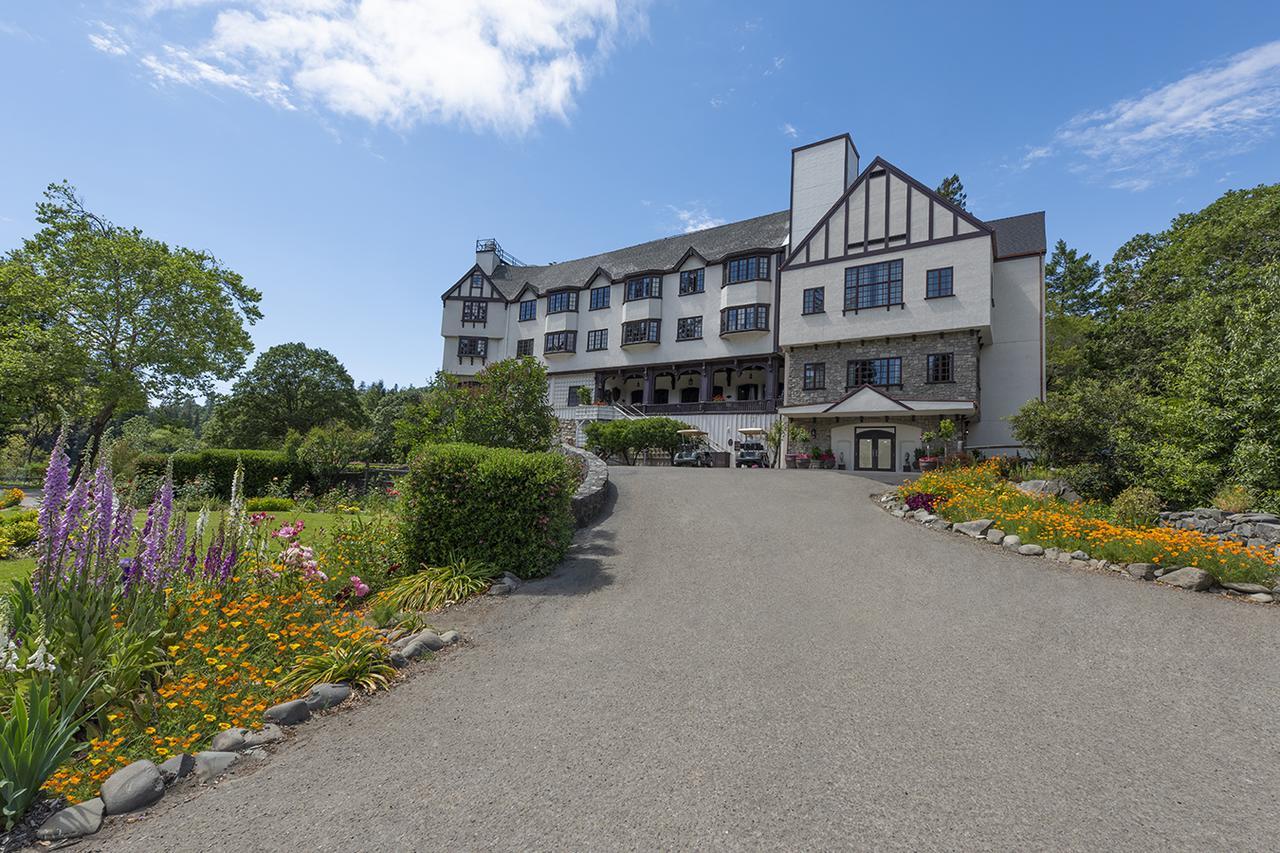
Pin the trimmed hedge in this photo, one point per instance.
(219, 466)
(503, 506)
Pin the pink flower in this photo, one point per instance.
(358, 587)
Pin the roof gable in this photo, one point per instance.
(462, 288)
(884, 209)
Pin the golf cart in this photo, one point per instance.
(751, 449)
(693, 451)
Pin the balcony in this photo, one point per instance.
(714, 407)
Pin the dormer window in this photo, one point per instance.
(754, 268)
(562, 301)
(644, 287)
(477, 284)
(691, 281)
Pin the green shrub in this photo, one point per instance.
(629, 437)
(1233, 498)
(1137, 506)
(435, 587)
(363, 547)
(20, 528)
(269, 504)
(216, 468)
(505, 507)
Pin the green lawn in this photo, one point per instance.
(312, 534)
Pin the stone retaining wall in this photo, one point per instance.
(1256, 529)
(589, 500)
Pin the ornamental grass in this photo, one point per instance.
(963, 494)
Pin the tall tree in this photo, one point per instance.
(952, 190)
(1072, 290)
(1071, 282)
(127, 317)
(290, 387)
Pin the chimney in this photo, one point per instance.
(820, 173)
(487, 254)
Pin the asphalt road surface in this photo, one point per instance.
(764, 659)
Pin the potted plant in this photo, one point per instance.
(584, 395)
(828, 458)
(802, 460)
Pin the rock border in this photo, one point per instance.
(142, 784)
(983, 529)
(590, 497)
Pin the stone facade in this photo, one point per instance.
(913, 350)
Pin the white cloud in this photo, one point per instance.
(695, 218)
(108, 40)
(1222, 109)
(789, 129)
(500, 64)
(8, 28)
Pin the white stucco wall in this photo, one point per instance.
(818, 177)
(969, 308)
(1011, 367)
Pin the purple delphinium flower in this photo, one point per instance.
(69, 533)
(57, 480)
(104, 501)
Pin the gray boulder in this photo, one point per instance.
(210, 765)
(1188, 578)
(499, 589)
(288, 713)
(177, 767)
(977, 528)
(1049, 488)
(324, 696)
(230, 740)
(450, 637)
(1030, 550)
(1262, 597)
(940, 524)
(133, 787)
(270, 733)
(1142, 571)
(1052, 553)
(1079, 555)
(923, 516)
(511, 580)
(1267, 531)
(1247, 588)
(995, 536)
(1011, 541)
(73, 822)
(898, 513)
(430, 640)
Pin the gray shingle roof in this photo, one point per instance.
(1019, 235)
(713, 244)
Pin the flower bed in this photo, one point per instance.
(962, 494)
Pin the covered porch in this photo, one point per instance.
(869, 432)
(736, 385)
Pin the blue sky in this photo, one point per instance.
(343, 155)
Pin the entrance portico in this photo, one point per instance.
(868, 430)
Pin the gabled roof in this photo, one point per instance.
(666, 254)
(1017, 236)
(870, 400)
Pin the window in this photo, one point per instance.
(528, 310)
(815, 376)
(691, 281)
(476, 347)
(745, 318)
(688, 328)
(941, 367)
(560, 342)
(644, 287)
(755, 268)
(937, 283)
(573, 395)
(477, 284)
(474, 311)
(814, 297)
(524, 346)
(641, 332)
(597, 339)
(600, 297)
(874, 371)
(873, 285)
(561, 301)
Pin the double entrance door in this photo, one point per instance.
(873, 450)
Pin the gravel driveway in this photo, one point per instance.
(763, 659)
